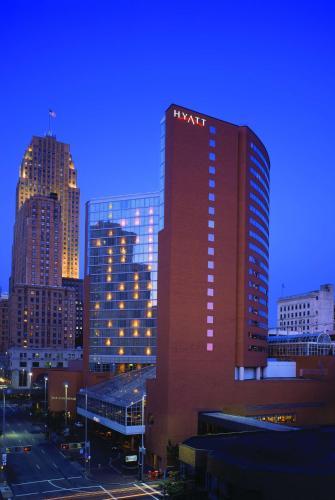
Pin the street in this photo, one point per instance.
(46, 472)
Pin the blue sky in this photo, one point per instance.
(110, 68)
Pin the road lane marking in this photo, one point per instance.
(42, 451)
(108, 492)
(33, 482)
(53, 463)
(38, 466)
(146, 491)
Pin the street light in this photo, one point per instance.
(29, 381)
(45, 395)
(142, 448)
(66, 386)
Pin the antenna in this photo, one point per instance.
(51, 114)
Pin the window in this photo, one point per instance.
(210, 305)
(211, 223)
(210, 292)
(210, 278)
(209, 347)
(211, 210)
(212, 130)
(212, 156)
(210, 333)
(212, 143)
(211, 197)
(210, 264)
(211, 170)
(211, 183)
(210, 319)
(210, 237)
(210, 251)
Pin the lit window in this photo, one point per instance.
(136, 286)
(109, 278)
(109, 296)
(149, 286)
(212, 143)
(137, 222)
(148, 333)
(123, 259)
(135, 323)
(211, 210)
(110, 252)
(109, 269)
(108, 342)
(149, 314)
(211, 224)
(210, 319)
(209, 347)
(212, 129)
(123, 251)
(121, 333)
(123, 241)
(136, 277)
(211, 170)
(210, 264)
(121, 305)
(121, 287)
(137, 212)
(210, 292)
(210, 305)
(110, 233)
(151, 211)
(210, 278)
(148, 351)
(121, 351)
(211, 197)
(211, 183)
(150, 239)
(135, 296)
(212, 156)
(210, 333)
(137, 240)
(110, 260)
(98, 243)
(210, 237)
(97, 306)
(110, 324)
(210, 251)
(122, 222)
(135, 333)
(149, 305)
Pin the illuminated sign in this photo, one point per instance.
(186, 117)
(131, 458)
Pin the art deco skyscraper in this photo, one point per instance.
(47, 167)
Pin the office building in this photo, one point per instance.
(4, 326)
(47, 167)
(308, 312)
(121, 282)
(78, 286)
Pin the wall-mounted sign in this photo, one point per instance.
(186, 117)
(131, 458)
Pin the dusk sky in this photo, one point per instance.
(109, 69)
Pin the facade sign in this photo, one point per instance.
(186, 117)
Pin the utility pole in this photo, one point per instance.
(142, 448)
(66, 388)
(45, 394)
(87, 443)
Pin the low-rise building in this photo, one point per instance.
(307, 312)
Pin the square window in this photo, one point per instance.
(210, 333)
(210, 319)
(210, 278)
(211, 223)
(211, 170)
(209, 347)
(211, 197)
(211, 183)
(210, 264)
(210, 251)
(210, 305)
(212, 156)
(211, 210)
(210, 292)
(211, 237)
(212, 130)
(212, 143)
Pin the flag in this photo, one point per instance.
(52, 113)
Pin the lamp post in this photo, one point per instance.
(66, 386)
(3, 414)
(87, 443)
(29, 380)
(142, 448)
(45, 395)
